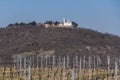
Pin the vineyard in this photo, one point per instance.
(36, 67)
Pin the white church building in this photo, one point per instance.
(66, 23)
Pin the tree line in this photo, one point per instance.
(22, 24)
(33, 23)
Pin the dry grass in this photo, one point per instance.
(55, 74)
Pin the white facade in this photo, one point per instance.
(66, 22)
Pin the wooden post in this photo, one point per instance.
(14, 60)
(73, 63)
(89, 64)
(94, 66)
(18, 66)
(29, 69)
(4, 73)
(108, 67)
(64, 67)
(116, 69)
(11, 73)
(37, 61)
(119, 60)
(97, 65)
(20, 71)
(67, 61)
(119, 63)
(41, 60)
(53, 75)
(76, 66)
(76, 61)
(64, 73)
(33, 64)
(18, 63)
(53, 62)
(84, 66)
(84, 62)
(80, 69)
(59, 61)
(94, 63)
(25, 68)
(46, 61)
(72, 75)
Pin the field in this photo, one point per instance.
(37, 67)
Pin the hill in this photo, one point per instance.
(60, 41)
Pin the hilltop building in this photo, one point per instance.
(66, 23)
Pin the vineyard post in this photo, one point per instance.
(11, 72)
(59, 61)
(41, 64)
(53, 62)
(119, 63)
(97, 66)
(33, 64)
(4, 73)
(46, 61)
(94, 62)
(73, 63)
(83, 65)
(24, 68)
(67, 61)
(76, 61)
(17, 66)
(80, 70)
(29, 69)
(14, 60)
(64, 67)
(94, 65)
(76, 65)
(20, 58)
(89, 64)
(64, 73)
(108, 67)
(116, 69)
(37, 62)
(72, 75)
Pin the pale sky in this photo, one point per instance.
(100, 15)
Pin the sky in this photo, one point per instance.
(99, 15)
